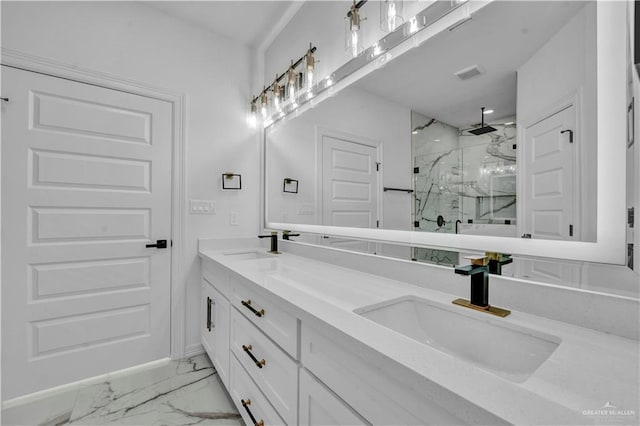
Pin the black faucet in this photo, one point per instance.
(479, 283)
(479, 271)
(495, 265)
(287, 234)
(458, 222)
(274, 241)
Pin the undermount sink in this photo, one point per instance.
(248, 255)
(511, 351)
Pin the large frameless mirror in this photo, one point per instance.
(497, 133)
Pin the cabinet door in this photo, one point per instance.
(318, 406)
(215, 329)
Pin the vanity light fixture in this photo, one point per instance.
(292, 82)
(390, 15)
(353, 33)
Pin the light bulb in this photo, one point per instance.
(354, 43)
(309, 79)
(264, 101)
(390, 14)
(413, 25)
(291, 83)
(352, 32)
(252, 119)
(276, 93)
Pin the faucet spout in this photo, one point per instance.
(274, 241)
(479, 284)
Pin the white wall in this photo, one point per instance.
(138, 42)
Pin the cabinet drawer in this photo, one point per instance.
(270, 368)
(365, 386)
(217, 275)
(318, 406)
(243, 389)
(266, 314)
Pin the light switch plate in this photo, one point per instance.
(305, 209)
(202, 207)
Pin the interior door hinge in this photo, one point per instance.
(378, 167)
(571, 230)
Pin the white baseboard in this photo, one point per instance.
(81, 383)
(192, 350)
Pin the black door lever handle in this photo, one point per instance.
(161, 244)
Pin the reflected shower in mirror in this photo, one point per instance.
(488, 128)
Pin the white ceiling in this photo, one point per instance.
(500, 38)
(249, 22)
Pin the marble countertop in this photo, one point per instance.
(588, 373)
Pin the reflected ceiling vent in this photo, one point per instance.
(468, 73)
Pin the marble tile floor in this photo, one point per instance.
(184, 392)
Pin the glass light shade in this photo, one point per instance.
(310, 69)
(390, 15)
(291, 84)
(353, 38)
(264, 105)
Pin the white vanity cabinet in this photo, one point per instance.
(287, 368)
(273, 371)
(271, 317)
(363, 381)
(318, 406)
(215, 329)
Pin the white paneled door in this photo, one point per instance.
(86, 185)
(349, 188)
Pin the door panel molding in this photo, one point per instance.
(16, 59)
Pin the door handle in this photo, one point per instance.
(161, 244)
(570, 134)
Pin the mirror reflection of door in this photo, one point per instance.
(349, 190)
(550, 190)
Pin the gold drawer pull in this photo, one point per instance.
(259, 364)
(246, 405)
(247, 304)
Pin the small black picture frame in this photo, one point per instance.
(290, 186)
(630, 123)
(231, 181)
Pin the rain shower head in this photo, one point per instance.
(483, 129)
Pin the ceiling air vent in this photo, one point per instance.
(468, 73)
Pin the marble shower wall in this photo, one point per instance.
(461, 176)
